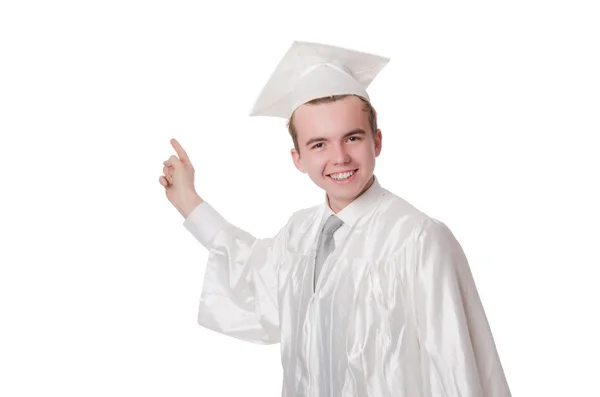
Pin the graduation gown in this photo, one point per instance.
(395, 311)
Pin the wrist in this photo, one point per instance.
(188, 204)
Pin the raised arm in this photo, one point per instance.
(239, 293)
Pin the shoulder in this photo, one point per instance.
(412, 224)
(304, 219)
(305, 214)
(395, 211)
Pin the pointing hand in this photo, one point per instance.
(178, 180)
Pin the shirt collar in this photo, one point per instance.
(353, 211)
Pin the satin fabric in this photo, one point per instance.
(395, 311)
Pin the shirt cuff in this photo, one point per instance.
(204, 222)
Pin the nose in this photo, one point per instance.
(339, 154)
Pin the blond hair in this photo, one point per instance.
(367, 108)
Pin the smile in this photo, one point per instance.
(343, 176)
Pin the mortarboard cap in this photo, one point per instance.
(313, 70)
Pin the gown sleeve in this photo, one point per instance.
(457, 350)
(239, 293)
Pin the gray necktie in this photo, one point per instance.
(326, 243)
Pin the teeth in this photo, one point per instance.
(342, 176)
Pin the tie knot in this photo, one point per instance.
(332, 224)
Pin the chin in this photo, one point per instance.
(346, 190)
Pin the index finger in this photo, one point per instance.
(180, 152)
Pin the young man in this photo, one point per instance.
(367, 295)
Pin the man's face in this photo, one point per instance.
(334, 141)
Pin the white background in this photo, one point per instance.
(490, 118)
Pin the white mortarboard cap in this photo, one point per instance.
(313, 70)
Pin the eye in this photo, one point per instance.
(355, 138)
(316, 146)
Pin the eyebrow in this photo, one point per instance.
(359, 131)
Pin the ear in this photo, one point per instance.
(378, 139)
(297, 160)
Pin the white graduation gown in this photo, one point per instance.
(395, 311)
